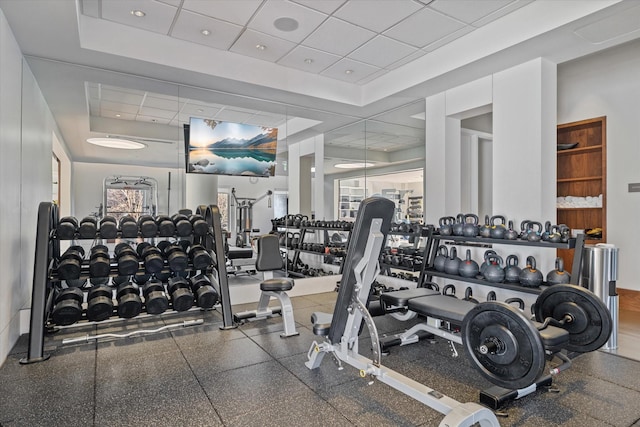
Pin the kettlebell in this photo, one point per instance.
(470, 228)
(449, 290)
(565, 233)
(511, 234)
(535, 231)
(432, 285)
(558, 276)
(494, 272)
(458, 226)
(452, 263)
(485, 230)
(486, 262)
(498, 230)
(441, 257)
(547, 231)
(554, 234)
(516, 300)
(468, 267)
(468, 295)
(530, 277)
(446, 225)
(491, 296)
(511, 269)
(524, 229)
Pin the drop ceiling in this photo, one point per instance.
(309, 66)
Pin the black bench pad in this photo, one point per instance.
(441, 307)
(240, 253)
(277, 284)
(401, 298)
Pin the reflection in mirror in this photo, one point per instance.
(477, 165)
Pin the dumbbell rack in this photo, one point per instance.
(434, 238)
(45, 276)
(418, 234)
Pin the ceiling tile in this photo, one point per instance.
(235, 11)
(358, 70)
(120, 97)
(94, 107)
(118, 107)
(118, 115)
(265, 120)
(319, 60)
(150, 119)
(377, 15)
(325, 6)
(372, 77)
(514, 5)
(169, 104)
(468, 10)
(229, 115)
(189, 26)
(157, 112)
(423, 28)
(382, 51)
(297, 21)
(338, 37)
(158, 16)
(275, 48)
(195, 110)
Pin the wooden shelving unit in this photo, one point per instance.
(582, 172)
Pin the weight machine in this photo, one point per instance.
(244, 216)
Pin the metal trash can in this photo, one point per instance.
(599, 275)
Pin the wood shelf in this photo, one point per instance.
(582, 172)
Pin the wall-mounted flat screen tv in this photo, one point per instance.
(225, 148)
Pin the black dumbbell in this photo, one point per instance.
(68, 307)
(129, 301)
(151, 256)
(67, 227)
(128, 226)
(98, 281)
(200, 226)
(175, 255)
(183, 226)
(71, 263)
(199, 257)
(108, 227)
(155, 298)
(127, 259)
(99, 303)
(147, 226)
(99, 261)
(119, 280)
(181, 295)
(162, 276)
(88, 228)
(206, 294)
(166, 228)
(141, 278)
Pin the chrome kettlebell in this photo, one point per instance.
(441, 257)
(498, 230)
(470, 228)
(468, 267)
(452, 263)
(558, 276)
(530, 277)
(511, 269)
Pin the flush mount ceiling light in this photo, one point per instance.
(353, 165)
(348, 72)
(308, 61)
(286, 24)
(205, 32)
(261, 47)
(118, 143)
(138, 13)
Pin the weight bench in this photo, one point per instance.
(340, 330)
(267, 261)
(240, 260)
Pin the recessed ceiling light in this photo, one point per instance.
(286, 24)
(138, 13)
(122, 144)
(261, 47)
(200, 110)
(205, 32)
(308, 61)
(117, 115)
(353, 165)
(348, 71)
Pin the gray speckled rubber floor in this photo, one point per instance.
(249, 376)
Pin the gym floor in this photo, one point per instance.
(249, 376)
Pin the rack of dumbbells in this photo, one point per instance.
(158, 264)
(401, 261)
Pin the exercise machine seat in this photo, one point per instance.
(276, 284)
(442, 307)
(269, 259)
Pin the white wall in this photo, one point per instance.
(607, 84)
(26, 129)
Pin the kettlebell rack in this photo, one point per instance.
(434, 239)
(46, 278)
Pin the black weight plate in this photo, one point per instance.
(591, 325)
(520, 357)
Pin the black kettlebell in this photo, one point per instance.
(547, 231)
(530, 277)
(511, 269)
(432, 285)
(449, 290)
(494, 272)
(554, 234)
(486, 262)
(498, 230)
(511, 233)
(491, 296)
(470, 228)
(535, 231)
(516, 300)
(446, 225)
(524, 229)
(468, 295)
(452, 263)
(558, 276)
(485, 230)
(468, 267)
(565, 233)
(458, 226)
(441, 257)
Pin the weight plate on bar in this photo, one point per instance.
(590, 325)
(503, 345)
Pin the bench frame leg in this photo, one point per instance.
(265, 312)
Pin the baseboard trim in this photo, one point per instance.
(629, 299)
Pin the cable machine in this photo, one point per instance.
(244, 216)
